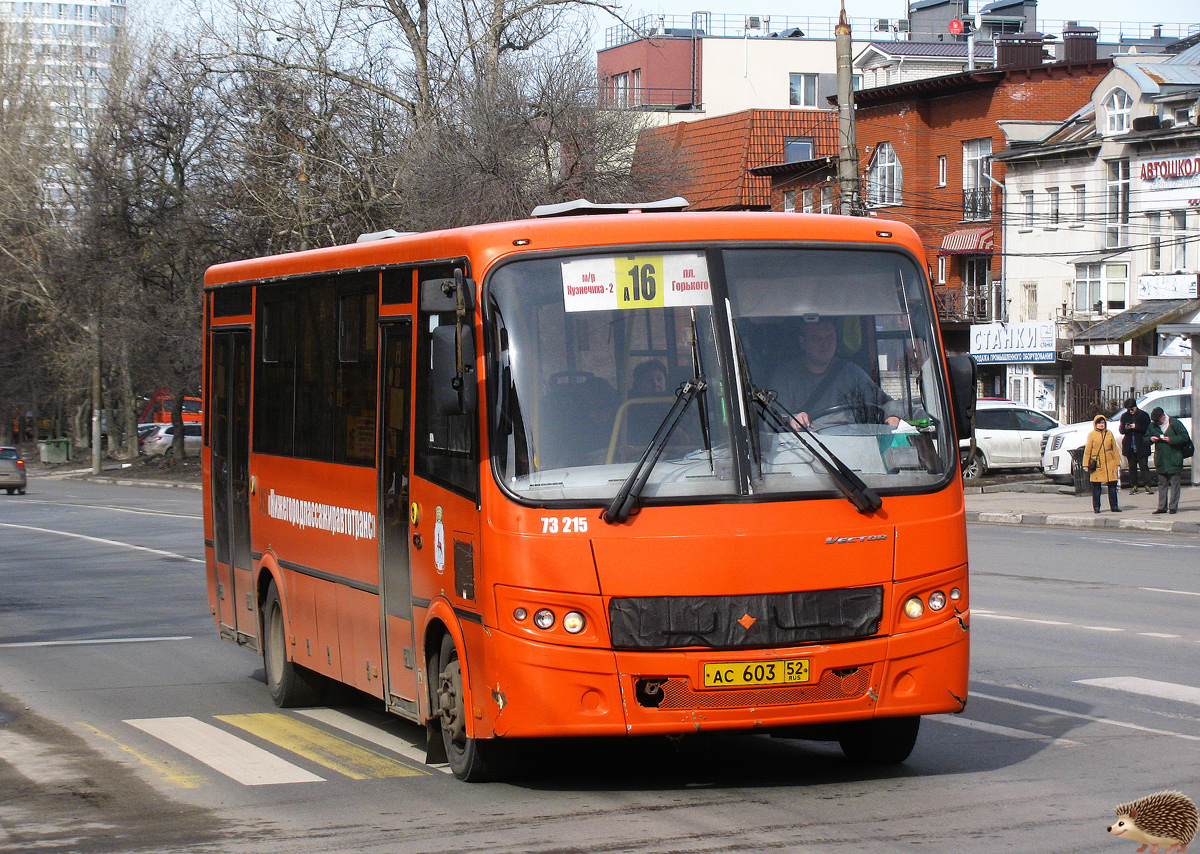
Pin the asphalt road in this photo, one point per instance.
(126, 726)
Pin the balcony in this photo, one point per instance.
(966, 305)
(646, 98)
(977, 204)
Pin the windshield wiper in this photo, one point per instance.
(627, 496)
(865, 499)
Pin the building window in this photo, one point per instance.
(635, 86)
(807, 201)
(1080, 193)
(977, 287)
(1052, 207)
(1116, 223)
(941, 269)
(797, 149)
(802, 90)
(1087, 288)
(941, 170)
(885, 177)
(1029, 311)
(827, 199)
(1180, 238)
(1154, 240)
(1101, 288)
(977, 173)
(1117, 108)
(789, 201)
(619, 90)
(1027, 210)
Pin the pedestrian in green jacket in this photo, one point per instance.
(1167, 435)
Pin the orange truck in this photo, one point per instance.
(435, 470)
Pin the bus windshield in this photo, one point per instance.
(786, 355)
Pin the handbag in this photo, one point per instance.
(1188, 449)
(1093, 463)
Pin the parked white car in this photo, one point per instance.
(1056, 452)
(161, 440)
(1008, 435)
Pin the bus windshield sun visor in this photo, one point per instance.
(627, 496)
(865, 499)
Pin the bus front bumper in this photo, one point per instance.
(542, 690)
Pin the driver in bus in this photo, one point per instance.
(819, 387)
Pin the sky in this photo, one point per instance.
(1154, 11)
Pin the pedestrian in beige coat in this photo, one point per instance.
(1102, 456)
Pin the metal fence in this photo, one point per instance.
(1084, 402)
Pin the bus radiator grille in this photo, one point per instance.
(843, 685)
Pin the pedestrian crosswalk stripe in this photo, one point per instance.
(372, 734)
(320, 747)
(1147, 687)
(224, 752)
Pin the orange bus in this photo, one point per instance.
(562, 477)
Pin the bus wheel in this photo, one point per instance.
(882, 741)
(290, 684)
(471, 759)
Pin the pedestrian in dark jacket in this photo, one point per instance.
(1135, 446)
(1168, 435)
(1104, 462)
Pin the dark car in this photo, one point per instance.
(12, 471)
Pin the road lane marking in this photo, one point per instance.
(992, 615)
(224, 752)
(1157, 635)
(321, 747)
(1147, 687)
(90, 641)
(996, 729)
(36, 761)
(141, 511)
(373, 734)
(102, 541)
(1175, 592)
(181, 778)
(1091, 718)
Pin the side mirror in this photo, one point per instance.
(964, 375)
(442, 295)
(454, 393)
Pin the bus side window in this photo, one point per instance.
(446, 446)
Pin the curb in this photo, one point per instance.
(1064, 520)
(116, 481)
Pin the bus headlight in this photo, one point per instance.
(544, 618)
(937, 601)
(913, 608)
(574, 623)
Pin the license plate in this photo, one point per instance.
(742, 673)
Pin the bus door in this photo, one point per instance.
(395, 575)
(230, 442)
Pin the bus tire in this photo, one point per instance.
(881, 741)
(473, 760)
(290, 684)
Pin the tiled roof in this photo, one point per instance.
(954, 50)
(719, 152)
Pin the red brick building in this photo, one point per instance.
(925, 152)
(718, 154)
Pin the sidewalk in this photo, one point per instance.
(1059, 506)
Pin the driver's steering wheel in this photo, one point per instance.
(874, 410)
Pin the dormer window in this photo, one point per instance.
(1118, 107)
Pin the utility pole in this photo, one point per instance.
(848, 144)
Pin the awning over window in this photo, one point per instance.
(969, 241)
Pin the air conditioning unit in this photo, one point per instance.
(902, 25)
(753, 22)
(882, 25)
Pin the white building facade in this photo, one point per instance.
(1102, 219)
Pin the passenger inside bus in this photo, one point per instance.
(821, 388)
